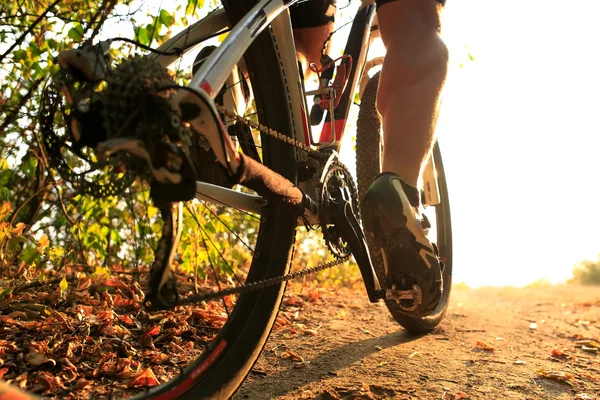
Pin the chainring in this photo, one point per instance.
(335, 243)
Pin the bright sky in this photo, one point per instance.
(520, 137)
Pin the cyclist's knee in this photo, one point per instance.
(410, 32)
(415, 51)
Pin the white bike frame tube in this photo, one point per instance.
(212, 23)
(227, 197)
(217, 68)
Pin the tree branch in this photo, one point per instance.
(29, 30)
(14, 115)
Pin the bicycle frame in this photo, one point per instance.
(216, 69)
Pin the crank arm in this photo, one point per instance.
(344, 218)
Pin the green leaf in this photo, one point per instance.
(30, 255)
(64, 285)
(193, 6)
(143, 36)
(165, 18)
(76, 32)
(5, 292)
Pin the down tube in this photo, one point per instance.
(217, 67)
(357, 46)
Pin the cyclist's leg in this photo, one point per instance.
(414, 70)
(413, 74)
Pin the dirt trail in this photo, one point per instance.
(342, 347)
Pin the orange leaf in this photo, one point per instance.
(558, 354)
(126, 319)
(155, 330)
(43, 243)
(145, 379)
(82, 383)
(484, 346)
(18, 229)
(3, 372)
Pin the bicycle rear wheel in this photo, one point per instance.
(244, 321)
(368, 165)
(225, 364)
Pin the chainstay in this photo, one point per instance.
(261, 284)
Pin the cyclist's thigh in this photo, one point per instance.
(410, 19)
(313, 13)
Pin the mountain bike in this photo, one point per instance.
(106, 124)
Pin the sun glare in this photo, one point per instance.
(520, 138)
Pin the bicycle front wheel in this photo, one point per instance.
(368, 165)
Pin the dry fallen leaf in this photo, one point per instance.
(556, 375)
(36, 359)
(589, 349)
(484, 346)
(583, 396)
(587, 343)
(82, 383)
(312, 332)
(558, 354)
(145, 379)
(155, 330)
(455, 396)
(293, 356)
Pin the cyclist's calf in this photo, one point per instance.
(414, 71)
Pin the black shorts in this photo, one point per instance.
(312, 13)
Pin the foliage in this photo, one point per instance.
(45, 224)
(587, 272)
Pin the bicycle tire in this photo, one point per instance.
(247, 330)
(368, 166)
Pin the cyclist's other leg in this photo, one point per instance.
(312, 22)
(413, 74)
(414, 70)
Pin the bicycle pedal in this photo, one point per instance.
(408, 300)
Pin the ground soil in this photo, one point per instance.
(337, 345)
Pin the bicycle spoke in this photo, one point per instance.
(229, 229)
(214, 271)
(215, 247)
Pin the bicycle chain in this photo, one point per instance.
(276, 280)
(266, 130)
(261, 284)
